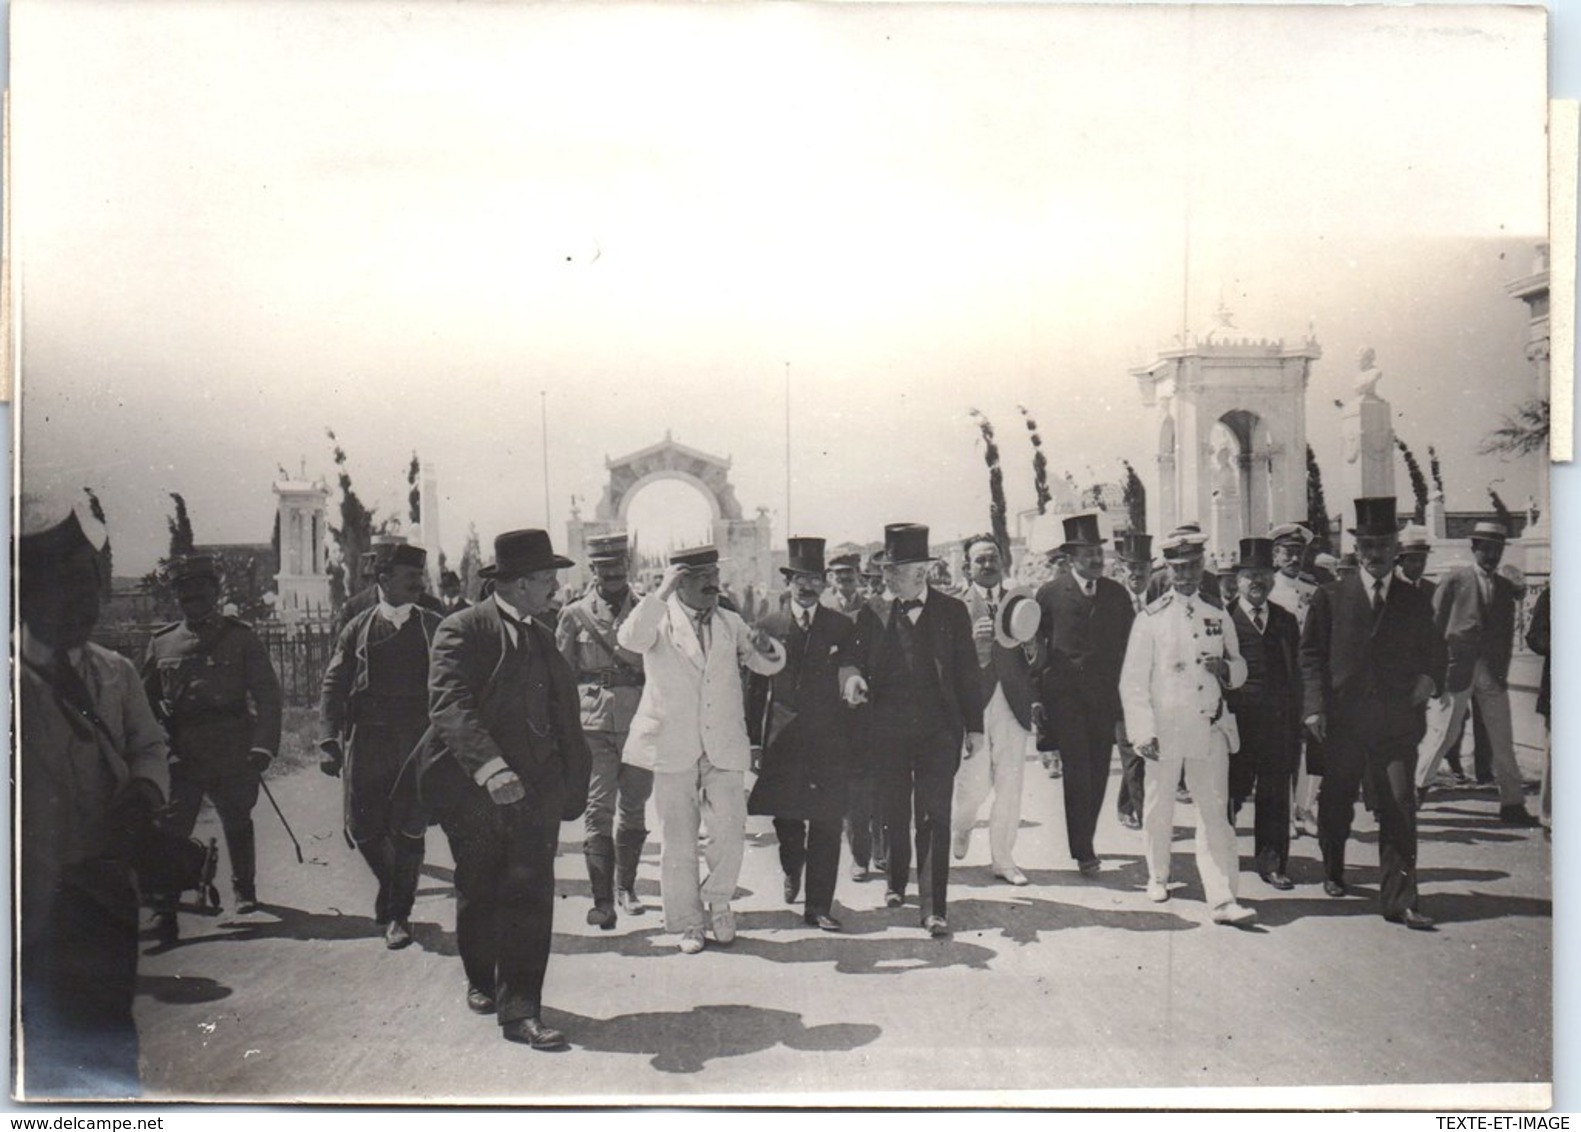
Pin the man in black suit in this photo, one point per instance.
(921, 674)
(1086, 623)
(1267, 710)
(503, 763)
(801, 724)
(1371, 657)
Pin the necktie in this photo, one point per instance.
(1257, 618)
(804, 619)
(1377, 602)
(518, 632)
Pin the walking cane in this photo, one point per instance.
(294, 843)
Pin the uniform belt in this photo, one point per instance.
(614, 678)
(209, 715)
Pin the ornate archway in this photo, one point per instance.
(746, 543)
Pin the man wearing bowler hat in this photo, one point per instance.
(690, 730)
(610, 680)
(1371, 658)
(1474, 608)
(802, 724)
(922, 677)
(1086, 623)
(374, 709)
(1181, 657)
(502, 765)
(1004, 631)
(1267, 710)
(212, 685)
(373, 562)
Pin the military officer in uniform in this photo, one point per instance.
(213, 687)
(1181, 656)
(374, 709)
(609, 682)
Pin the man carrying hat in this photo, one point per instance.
(374, 709)
(1267, 710)
(213, 687)
(1135, 550)
(1371, 658)
(1181, 657)
(922, 677)
(801, 723)
(91, 773)
(610, 679)
(690, 730)
(1474, 608)
(1004, 631)
(503, 763)
(1086, 623)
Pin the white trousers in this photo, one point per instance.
(1493, 704)
(1208, 779)
(684, 800)
(998, 769)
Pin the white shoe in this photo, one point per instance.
(1157, 891)
(692, 941)
(724, 923)
(960, 842)
(1012, 875)
(1236, 915)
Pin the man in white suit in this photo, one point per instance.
(1181, 656)
(690, 730)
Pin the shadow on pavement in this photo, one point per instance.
(685, 1041)
(285, 923)
(1024, 920)
(182, 990)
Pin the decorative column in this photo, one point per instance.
(1537, 539)
(302, 582)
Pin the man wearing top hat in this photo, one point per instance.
(1135, 550)
(1086, 623)
(1004, 632)
(91, 773)
(450, 598)
(374, 708)
(923, 680)
(610, 682)
(1474, 608)
(210, 681)
(1371, 658)
(1267, 710)
(690, 730)
(844, 593)
(802, 724)
(1181, 657)
(503, 763)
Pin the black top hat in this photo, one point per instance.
(449, 578)
(906, 543)
(1081, 530)
(1489, 532)
(405, 555)
(805, 557)
(607, 548)
(1257, 554)
(1134, 546)
(523, 552)
(1375, 517)
(696, 556)
(846, 562)
(190, 567)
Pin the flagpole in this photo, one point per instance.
(787, 452)
(543, 414)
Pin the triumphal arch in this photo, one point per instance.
(745, 543)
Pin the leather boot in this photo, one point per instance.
(599, 849)
(628, 855)
(244, 867)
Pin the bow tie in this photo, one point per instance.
(907, 605)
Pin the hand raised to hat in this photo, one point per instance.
(671, 580)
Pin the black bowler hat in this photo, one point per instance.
(191, 567)
(696, 556)
(1257, 554)
(905, 543)
(1375, 517)
(607, 548)
(406, 555)
(1081, 530)
(1134, 546)
(805, 557)
(523, 552)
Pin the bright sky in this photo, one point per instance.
(236, 225)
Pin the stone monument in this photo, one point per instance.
(302, 583)
(1367, 428)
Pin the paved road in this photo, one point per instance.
(1067, 984)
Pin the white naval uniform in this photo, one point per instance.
(1169, 696)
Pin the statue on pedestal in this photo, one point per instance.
(1369, 376)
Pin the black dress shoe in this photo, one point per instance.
(792, 888)
(1334, 888)
(1279, 881)
(822, 921)
(478, 1002)
(893, 899)
(531, 1032)
(1412, 919)
(1517, 815)
(936, 926)
(602, 916)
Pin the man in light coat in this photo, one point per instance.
(690, 730)
(1181, 656)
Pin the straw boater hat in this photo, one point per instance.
(1489, 532)
(1018, 619)
(523, 552)
(1414, 539)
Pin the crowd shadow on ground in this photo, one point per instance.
(685, 1041)
(182, 990)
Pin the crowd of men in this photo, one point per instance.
(874, 710)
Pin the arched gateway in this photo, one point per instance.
(746, 543)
